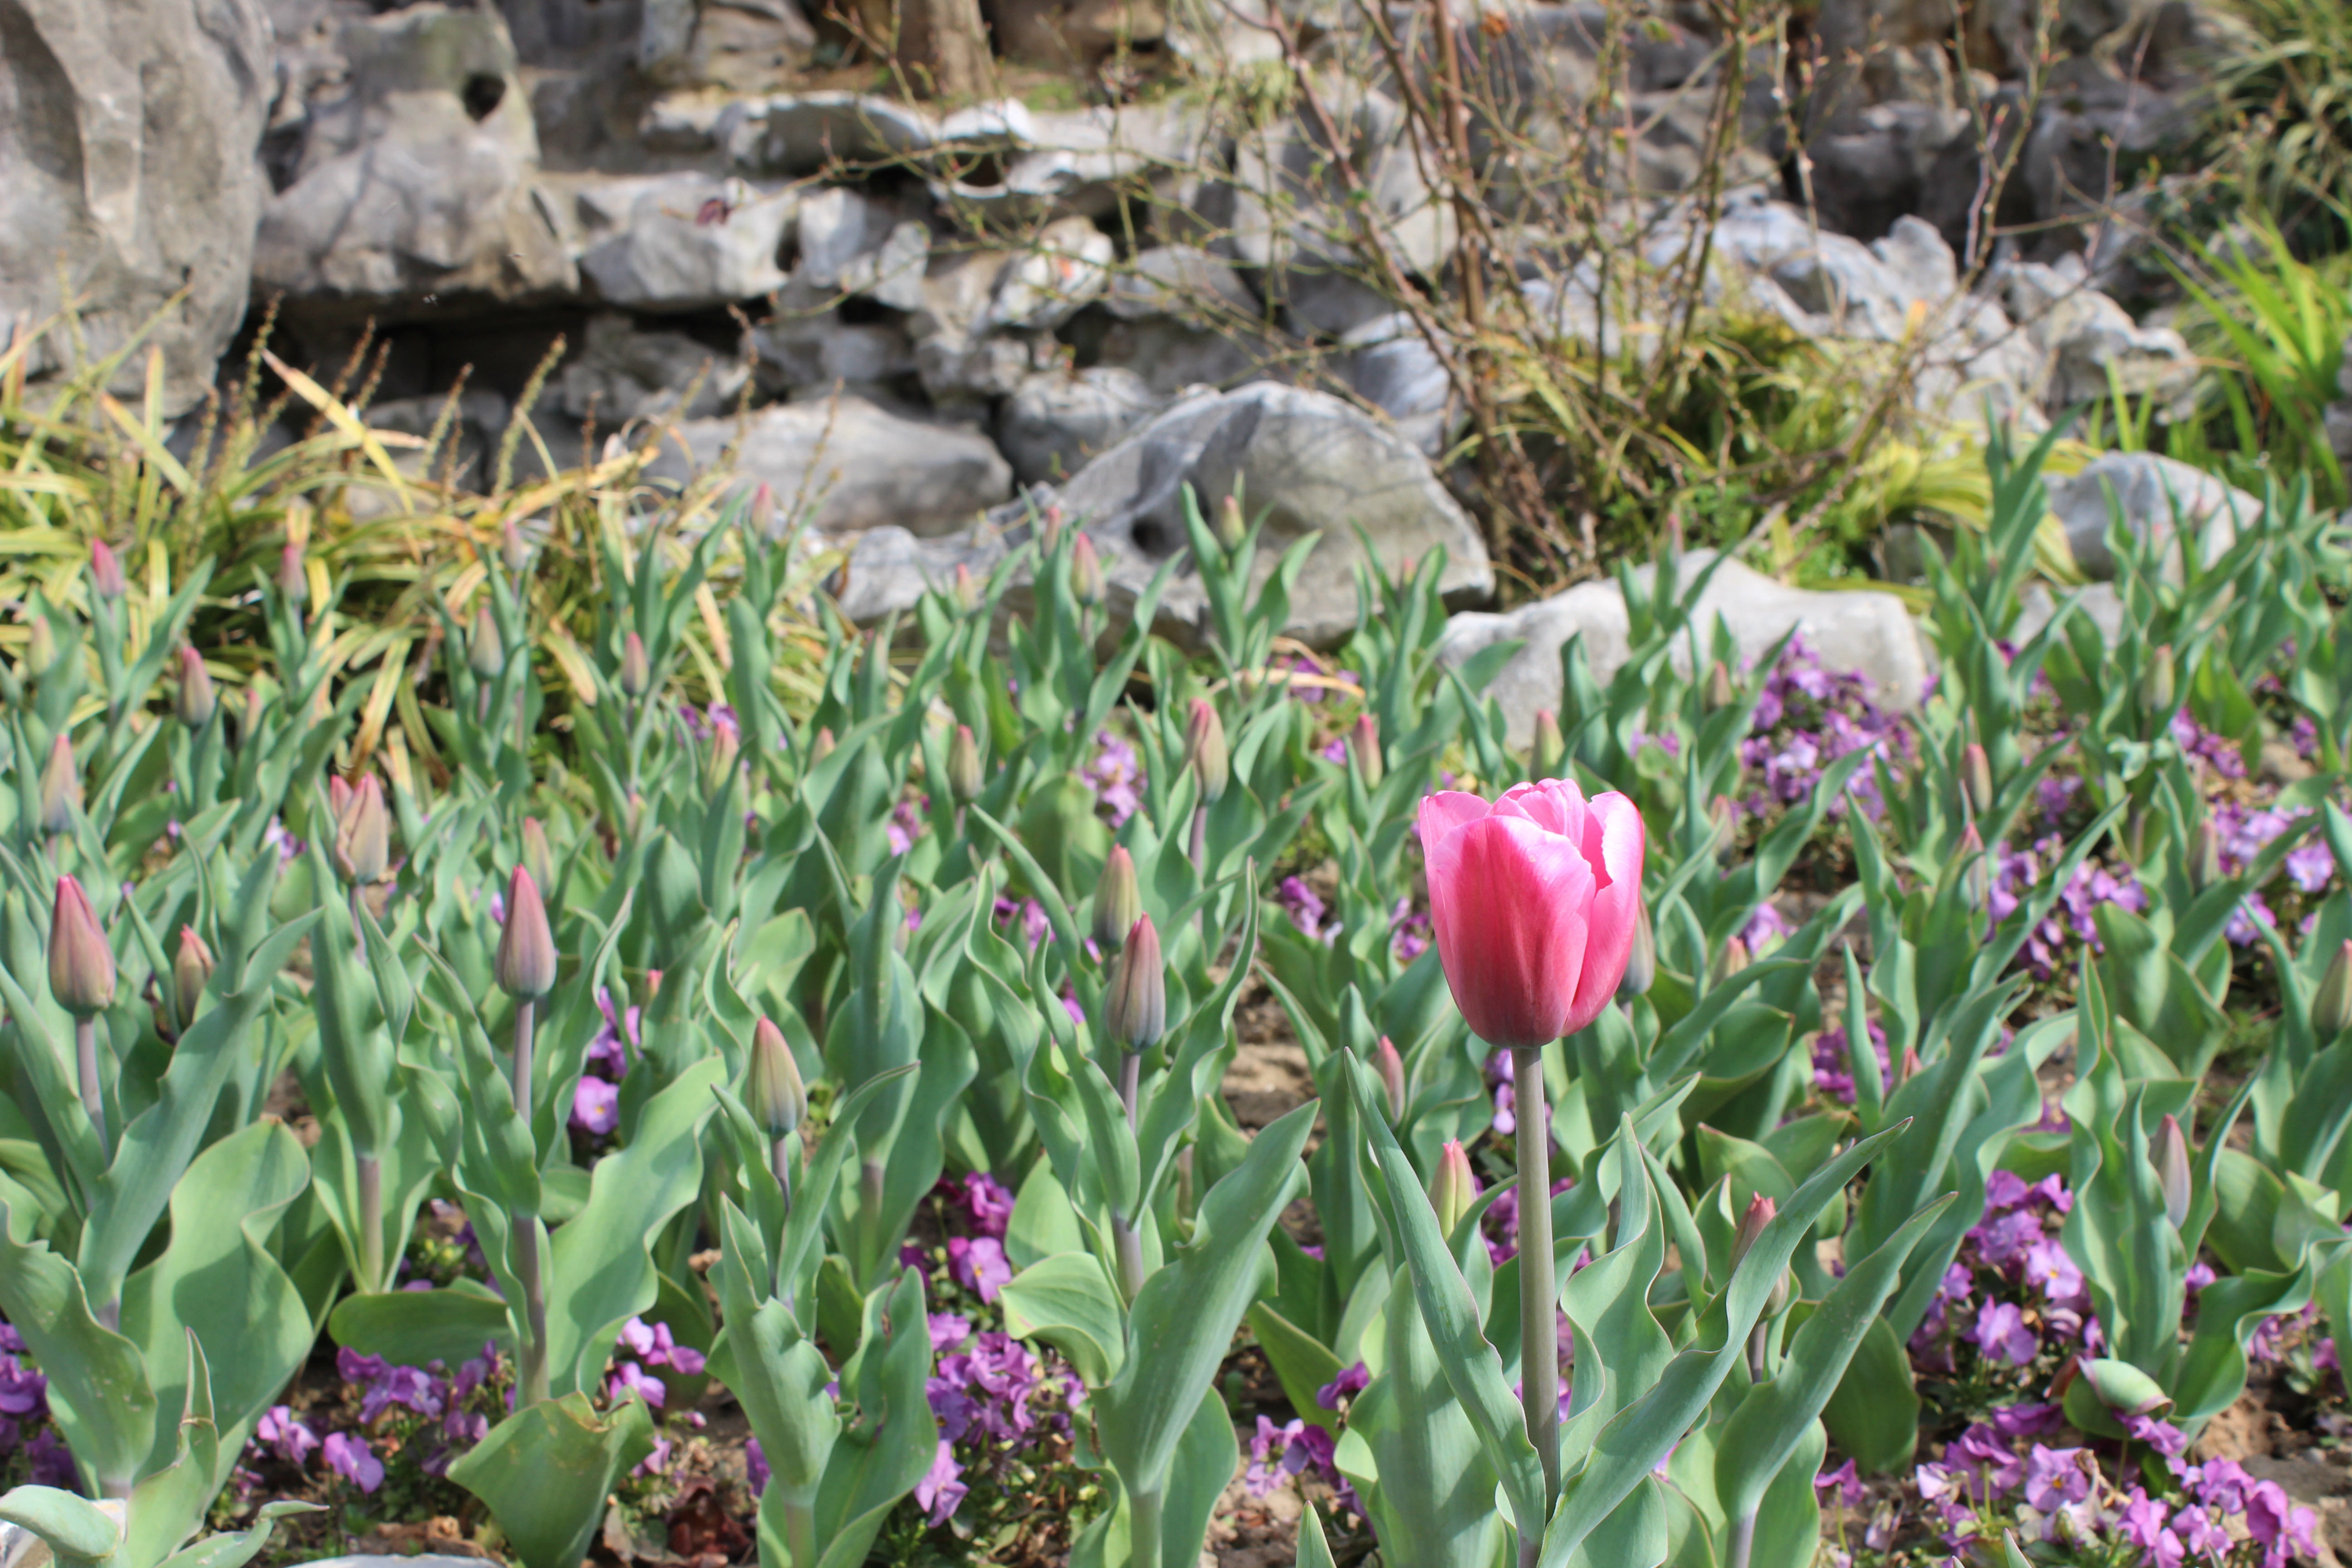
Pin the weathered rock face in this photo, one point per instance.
(621, 373)
(127, 137)
(417, 182)
(1056, 420)
(684, 242)
(2159, 499)
(1861, 633)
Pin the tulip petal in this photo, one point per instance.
(1510, 903)
(1613, 845)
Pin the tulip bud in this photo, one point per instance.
(967, 587)
(2171, 1157)
(293, 577)
(1909, 1067)
(1364, 746)
(1119, 899)
(81, 964)
(513, 548)
(1976, 777)
(1550, 752)
(191, 967)
(60, 788)
(1231, 529)
(1049, 527)
(537, 857)
(1085, 571)
(339, 797)
(197, 701)
(719, 763)
(1391, 1067)
(2331, 1006)
(2157, 683)
(774, 1088)
(636, 670)
(1761, 1210)
(1136, 1008)
(1727, 963)
(525, 960)
(822, 747)
(763, 512)
(41, 647)
(363, 834)
(486, 652)
(1719, 692)
(964, 776)
(106, 571)
(1642, 960)
(1455, 1187)
(1975, 870)
(1204, 748)
(2204, 854)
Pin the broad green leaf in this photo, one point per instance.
(1874, 1414)
(99, 1391)
(1070, 1303)
(545, 1471)
(412, 1327)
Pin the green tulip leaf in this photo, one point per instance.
(545, 1471)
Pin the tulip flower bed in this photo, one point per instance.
(695, 1114)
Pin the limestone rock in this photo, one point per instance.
(852, 244)
(1056, 420)
(852, 464)
(2082, 335)
(621, 371)
(690, 242)
(2158, 498)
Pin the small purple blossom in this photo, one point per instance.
(978, 1264)
(350, 1458)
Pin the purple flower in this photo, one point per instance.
(2055, 1477)
(2200, 1532)
(1349, 1383)
(755, 1467)
(1035, 925)
(2048, 1266)
(23, 1391)
(2310, 867)
(285, 1434)
(1768, 927)
(940, 1491)
(629, 1378)
(1843, 1485)
(351, 1459)
(977, 1263)
(595, 1105)
(353, 1367)
(408, 1386)
(1116, 777)
(652, 1343)
(987, 1203)
(1287, 1450)
(2144, 1525)
(2014, 1420)
(53, 1464)
(2245, 927)
(1305, 906)
(2001, 1334)
(948, 1332)
(608, 1052)
(2282, 1528)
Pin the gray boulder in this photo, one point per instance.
(1056, 420)
(1318, 466)
(621, 371)
(2159, 499)
(127, 136)
(851, 465)
(852, 244)
(419, 180)
(1392, 366)
(2082, 336)
(744, 46)
(1862, 633)
(688, 242)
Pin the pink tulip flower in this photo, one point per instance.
(1536, 898)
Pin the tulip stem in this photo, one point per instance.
(1143, 1529)
(522, 1062)
(1131, 1077)
(533, 1369)
(800, 1534)
(1539, 1336)
(780, 1160)
(370, 1177)
(93, 1099)
(1742, 1544)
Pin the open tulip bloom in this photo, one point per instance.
(1536, 898)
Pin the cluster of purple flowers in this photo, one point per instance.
(1832, 1069)
(976, 1261)
(1302, 1447)
(2016, 1242)
(1410, 930)
(25, 1402)
(1306, 909)
(444, 1412)
(1117, 776)
(2203, 745)
(907, 822)
(2016, 873)
(640, 1346)
(1806, 718)
(596, 1100)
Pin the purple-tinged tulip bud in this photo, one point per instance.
(1976, 777)
(822, 747)
(1641, 959)
(1364, 747)
(537, 857)
(81, 962)
(636, 669)
(718, 765)
(1719, 692)
(1049, 528)
(1909, 1067)
(763, 512)
(106, 571)
(191, 970)
(364, 833)
(513, 548)
(339, 797)
(1455, 1187)
(1085, 571)
(772, 1089)
(2204, 854)
(293, 575)
(964, 771)
(1230, 529)
(967, 587)
(486, 652)
(60, 787)
(1136, 1008)
(1204, 748)
(1391, 1067)
(1548, 759)
(1733, 958)
(41, 647)
(2171, 1157)
(1119, 900)
(198, 699)
(526, 961)
(1760, 1212)
(2331, 1005)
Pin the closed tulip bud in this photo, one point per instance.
(486, 653)
(1976, 777)
(636, 670)
(41, 647)
(1204, 748)
(1641, 962)
(1391, 1067)
(2204, 854)
(81, 964)
(2331, 1008)
(1364, 746)
(1455, 1187)
(2158, 681)
(1231, 529)
(192, 968)
(1135, 1009)
(1119, 900)
(537, 857)
(1909, 1067)
(774, 1088)
(513, 548)
(1730, 960)
(1719, 692)
(526, 961)
(719, 763)
(822, 747)
(967, 587)
(1085, 571)
(293, 575)
(964, 775)
(1760, 1212)
(106, 571)
(2171, 1157)
(198, 699)
(763, 512)
(1548, 758)
(1975, 869)
(1049, 528)
(363, 834)
(60, 788)
(339, 797)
